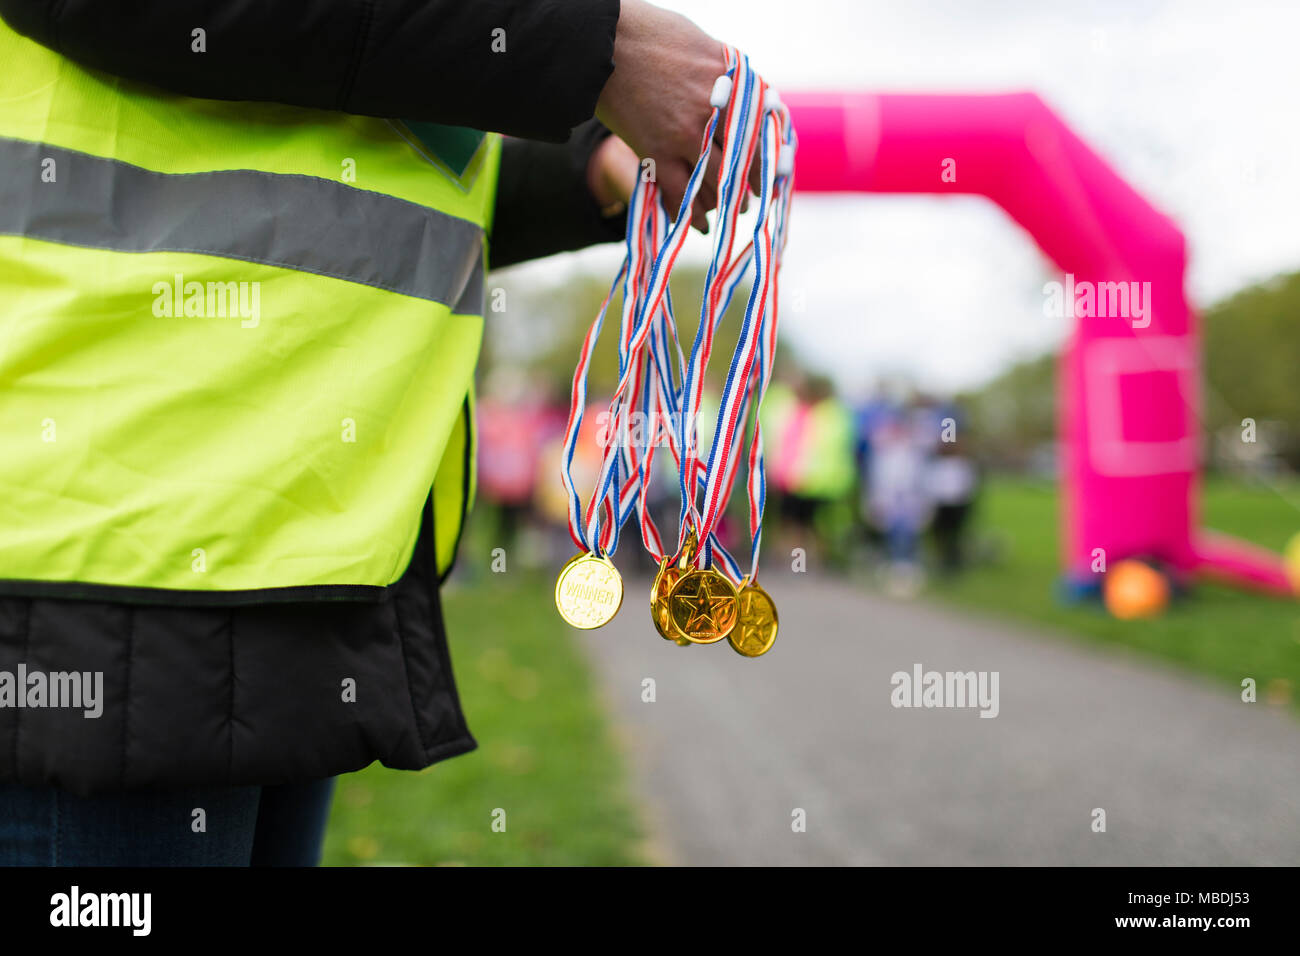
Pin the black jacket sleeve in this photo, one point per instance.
(431, 60)
(529, 68)
(543, 203)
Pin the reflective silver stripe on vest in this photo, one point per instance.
(292, 221)
(471, 300)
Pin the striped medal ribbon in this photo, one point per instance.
(589, 589)
(706, 602)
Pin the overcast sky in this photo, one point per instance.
(1194, 102)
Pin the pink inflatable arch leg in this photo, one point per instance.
(1129, 388)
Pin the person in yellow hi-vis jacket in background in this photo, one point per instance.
(809, 432)
(242, 259)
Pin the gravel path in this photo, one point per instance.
(1186, 772)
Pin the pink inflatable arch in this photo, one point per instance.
(1129, 393)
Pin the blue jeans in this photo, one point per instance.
(902, 540)
(240, 826)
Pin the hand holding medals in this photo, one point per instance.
(699, 595)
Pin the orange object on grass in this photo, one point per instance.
(1133, 589)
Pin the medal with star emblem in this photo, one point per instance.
(702, 607)
(756, 622)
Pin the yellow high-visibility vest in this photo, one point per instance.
(237, 340)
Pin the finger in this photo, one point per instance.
(624, 166)
(756, 172)
(672, 184)
(612, 172)
(699, 219)
(707, 196)
(709, 188)
(720, 129)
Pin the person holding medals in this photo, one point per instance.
(237, 523)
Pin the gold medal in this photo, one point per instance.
(589, 591)
(702, 607)
(756, 622)
(689, 547)
(668, 576)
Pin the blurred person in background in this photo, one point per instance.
(871, 414)
(898, 502)
(811, 461)
(952, 481)
(550, 498)
(515, 422)
(925, 415)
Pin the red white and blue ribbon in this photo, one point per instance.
(751, 367)
(754, 122)
(596, 529)
(756, 119)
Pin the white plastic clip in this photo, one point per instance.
(785, 165)
(721, 94)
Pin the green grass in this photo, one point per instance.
(545, 755)
(1223, 632)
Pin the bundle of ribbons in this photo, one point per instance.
(700, 595)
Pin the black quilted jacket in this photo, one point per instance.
(244, 695)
